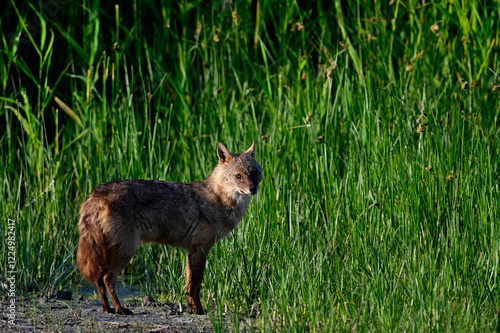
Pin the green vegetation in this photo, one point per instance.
(377, 127)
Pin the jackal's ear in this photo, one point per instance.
(224, 154)
(251, 150)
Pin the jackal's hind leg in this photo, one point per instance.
(101, 288)
(109, 281)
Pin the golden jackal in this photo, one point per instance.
(118, 215)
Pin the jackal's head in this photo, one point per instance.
(238, 174)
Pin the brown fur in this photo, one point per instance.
(118, 215)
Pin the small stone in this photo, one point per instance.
(65, 294)
(148, 301)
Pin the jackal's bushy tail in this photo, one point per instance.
(91, 257)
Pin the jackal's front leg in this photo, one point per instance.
(195, 266)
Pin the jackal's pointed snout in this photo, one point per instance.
(253, 190)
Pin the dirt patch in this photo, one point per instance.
(39, 315)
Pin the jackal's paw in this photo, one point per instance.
(108, 310)
(123, 311)
(195, 310)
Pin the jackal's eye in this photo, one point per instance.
(238, 176)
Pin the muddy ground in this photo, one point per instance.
(85, 315)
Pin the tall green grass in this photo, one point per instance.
(377, 127)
